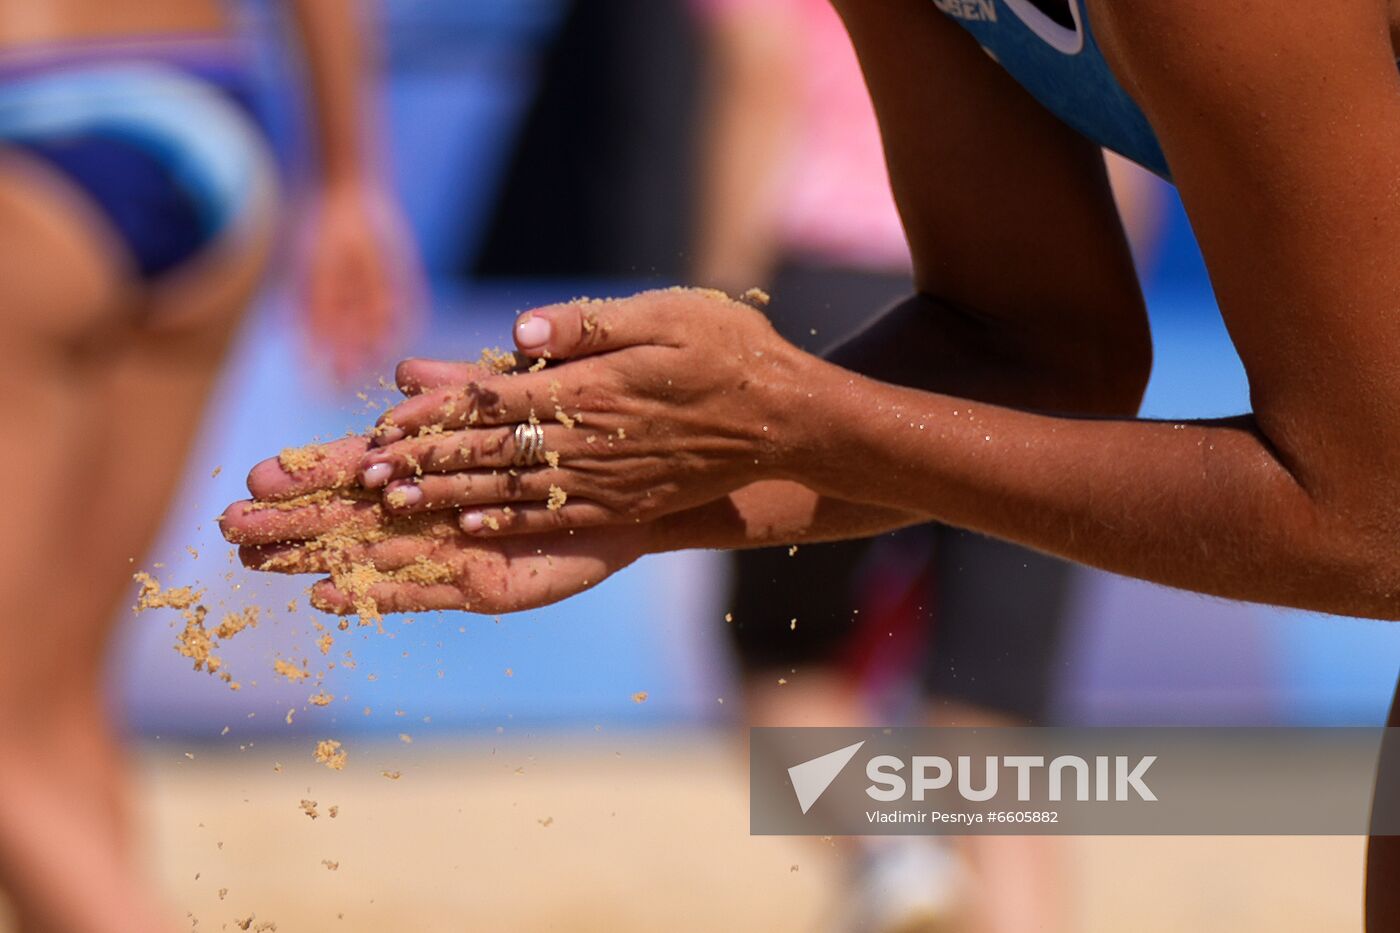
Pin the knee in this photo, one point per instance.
(1094, 367)
(1110, 370)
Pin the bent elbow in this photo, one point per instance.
(1357, 572)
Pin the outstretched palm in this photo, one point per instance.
(316, 520)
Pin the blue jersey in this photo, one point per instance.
(1055, 57)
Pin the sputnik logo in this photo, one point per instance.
(810, 779)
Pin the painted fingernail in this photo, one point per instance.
(532, 332)
(388, 434)
(376, 475)
(404, 495)
(472, 521)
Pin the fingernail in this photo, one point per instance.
(388, 434)
(533, 332)
(403, 495)
(376, 475)
(472, 521)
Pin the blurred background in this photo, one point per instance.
(545, 149)
(457, 94)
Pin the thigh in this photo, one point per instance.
(156, 385)
(813, 584)
(105, 377)
(62, 287)
(1007, 209)
(1000, 614)
(62, 292)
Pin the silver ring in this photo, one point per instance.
(529, 445)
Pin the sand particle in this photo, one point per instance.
(329, 753)
(297, 459)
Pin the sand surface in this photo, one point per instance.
(595, 832)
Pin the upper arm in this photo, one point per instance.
(1281, 124)
(1007, 210)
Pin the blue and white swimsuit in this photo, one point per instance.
(160, 134)
(1055, 57)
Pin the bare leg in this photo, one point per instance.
(813, 696)
(80, 372)
(915, 889)
(1019, 881)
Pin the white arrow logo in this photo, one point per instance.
(811, 778)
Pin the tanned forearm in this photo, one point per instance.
(1207, 506)
(921, 343)
(337, 62)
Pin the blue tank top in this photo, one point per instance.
(1060, 64)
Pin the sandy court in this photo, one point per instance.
(592, 832)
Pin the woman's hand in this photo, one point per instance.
(669, 399)
(675, 399)
(360, 282)
(310, 515)
(316, 469)
(378, 563)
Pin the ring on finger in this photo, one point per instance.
(529, 445)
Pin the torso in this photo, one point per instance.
(38, 22)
